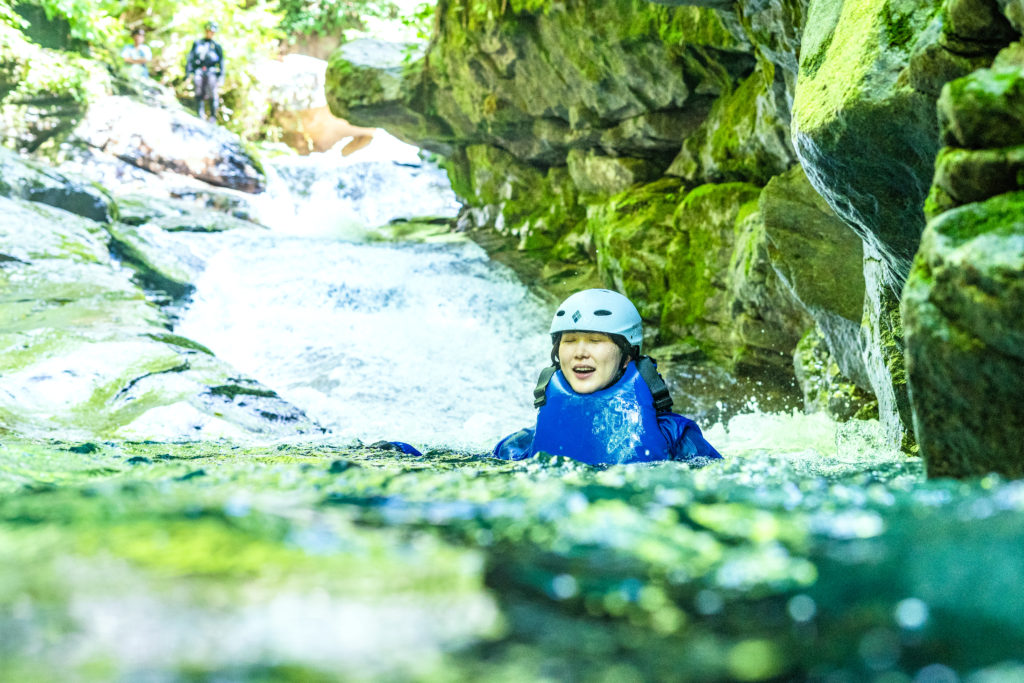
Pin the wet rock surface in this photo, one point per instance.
(963, 302)
(83, 351)
(963, 307)
(161, 140)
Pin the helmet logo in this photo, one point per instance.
(576, 317)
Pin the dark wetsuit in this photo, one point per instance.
(206, 62)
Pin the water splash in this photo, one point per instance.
(424, 342)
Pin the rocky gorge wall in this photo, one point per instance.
(757, 176)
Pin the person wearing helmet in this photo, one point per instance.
(601, 401)
(206, 67)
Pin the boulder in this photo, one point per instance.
(299, 107)
(767, 320)
(84, 354)
(963, 308)
(630, 233)
(35, 182)
(177, 215)
(866, 138)
(527, 81)
(824, 385)
(537, 206)
(160, 262)
(163, 140)
(963, 304)
(697, 304)
(602, 176)
(745, 136)
(820, 260)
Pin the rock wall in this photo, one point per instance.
(752, 174)
(963, 304)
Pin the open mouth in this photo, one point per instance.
(583, 371)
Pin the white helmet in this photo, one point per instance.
(599, 310)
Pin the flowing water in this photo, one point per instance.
(813, 552)
(423, 341)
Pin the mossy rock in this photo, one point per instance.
(865, 137)
(177, 215)
(963, 310)
(745, 136)
(984, 109)
(767, 319)
(85, 354)
(535, 205)
(696, 305)
(808, 244)
(160, 262)
(20, 177)
(631, 232)
(963, 176)
(525, 78)
(824, 386)
(602, 176)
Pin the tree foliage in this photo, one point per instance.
(251, 32)
(331, 17)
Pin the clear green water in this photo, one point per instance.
(813, 557)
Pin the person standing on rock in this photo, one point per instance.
(600, 401)
(206, 67)
(137, 55)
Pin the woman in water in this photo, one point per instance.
(601, 401)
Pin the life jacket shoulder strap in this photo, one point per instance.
(659, 390)
(539, 393)
(645, 366)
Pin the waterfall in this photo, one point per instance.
(424, 341)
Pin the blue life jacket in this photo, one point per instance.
(618, 424)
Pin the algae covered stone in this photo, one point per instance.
(631, 233)
(696, 305)
(83, 353)
(865, 137)
(963, 309)
(20, 177)
(820, 259)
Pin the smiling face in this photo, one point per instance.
(589, 360)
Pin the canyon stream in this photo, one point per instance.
(813, 551)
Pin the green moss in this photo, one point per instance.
(232, 391)
(837, 69)
(631, 232)
(705, 222)
(183, 342)
(1000, 215)
(899, 28)
(810, 64)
